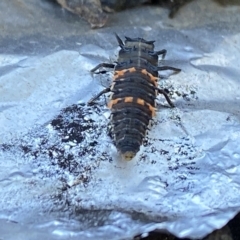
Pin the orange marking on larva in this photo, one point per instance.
(128, 99)
(118, 74)
(131, 70)
(152, 109)
(113, 102)
(140, 101)
(152, 78)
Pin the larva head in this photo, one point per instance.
(128, 39)
(139, 43)
(128, 156)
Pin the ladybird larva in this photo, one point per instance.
(134, 91)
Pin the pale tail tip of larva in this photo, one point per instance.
(128, 156)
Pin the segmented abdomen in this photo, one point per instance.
(134, 90)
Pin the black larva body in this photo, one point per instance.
(134, 90)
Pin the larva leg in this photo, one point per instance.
(101, 72)
(108, 65)
(169, 68)
(162, 52)
(166, 97)
(91, 101)
(120, 42)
